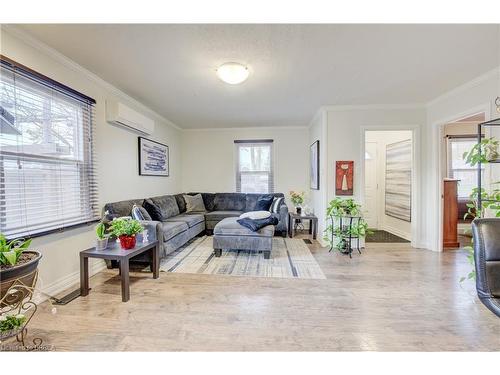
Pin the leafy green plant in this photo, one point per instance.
(338, 235)
(9, 322)
(10, 251)
(482, 152)
(125, 227)
(100, 231)
(489, 201)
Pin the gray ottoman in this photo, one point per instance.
(229, 235)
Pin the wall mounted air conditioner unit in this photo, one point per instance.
(119, 114)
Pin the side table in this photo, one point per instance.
(115, 252)
(313, 223)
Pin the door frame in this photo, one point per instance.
(415, 173)
(437, 129)
(377, 219)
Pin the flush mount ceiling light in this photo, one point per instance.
(232, 73)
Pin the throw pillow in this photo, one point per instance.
(264, 202)
(194, 203)
(255, 225)
(275, 206)
(256, 215)
(140, 213)
(152, 209)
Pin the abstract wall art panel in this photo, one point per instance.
(398, 165)
(314, 169)
(153, 158)
(344, 177)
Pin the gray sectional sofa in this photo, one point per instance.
(177, 227)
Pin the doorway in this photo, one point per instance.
(458, 179)
(388, 176)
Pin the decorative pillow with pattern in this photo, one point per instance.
(140, 213)
(275, 206)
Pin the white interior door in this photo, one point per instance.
(370, 211)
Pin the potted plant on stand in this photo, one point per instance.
(125, 230)
(297, 198)
(346, 224)
(17, 263)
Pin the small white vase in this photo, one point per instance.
(101, 244)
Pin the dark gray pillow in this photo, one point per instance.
(161, 208)
(181, 203)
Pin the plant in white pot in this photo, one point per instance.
(102, 237)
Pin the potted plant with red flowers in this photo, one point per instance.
(126, 229)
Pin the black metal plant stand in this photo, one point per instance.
(345, 224)
(480, 200)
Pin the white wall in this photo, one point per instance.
(116, 152)
(385, 222)
(208, 158)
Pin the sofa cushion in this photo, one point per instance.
(190, 219)
(252, 198)
(162, 207)
(181, 203)
(208, 200)
(194, 203)
(229, 202)
(219, 215)
(121, 208)
(173, 228)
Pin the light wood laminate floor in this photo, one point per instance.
(390, 298)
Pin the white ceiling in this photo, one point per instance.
(295, 69)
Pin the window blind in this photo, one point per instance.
(47, 164)
(254, 166)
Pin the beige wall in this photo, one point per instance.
(385, 222)
(116, 152)
(208, 158)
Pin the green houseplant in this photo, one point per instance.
(126, 229)
(337, 235)
(483, 152)
(101, 236)
(17, 263)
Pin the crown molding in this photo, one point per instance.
(66, 61)
(367, 107)
(466, 86)
(247, 128)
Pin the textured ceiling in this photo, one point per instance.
(295, 69)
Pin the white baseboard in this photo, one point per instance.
(67, 282)
(396, 232)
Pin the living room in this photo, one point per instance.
(223, 182)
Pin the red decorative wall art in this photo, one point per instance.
(344, 176)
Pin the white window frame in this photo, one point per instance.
(239, 173)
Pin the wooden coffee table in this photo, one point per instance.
(115, 252)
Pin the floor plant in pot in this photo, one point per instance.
(125, 230)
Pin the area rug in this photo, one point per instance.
(290, 258)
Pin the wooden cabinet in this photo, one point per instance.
(450, 214)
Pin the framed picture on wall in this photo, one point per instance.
(344, 177)
(153, 158)
(314, 168)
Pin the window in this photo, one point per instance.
(47, 179)
(254, 166)
(457, 168)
